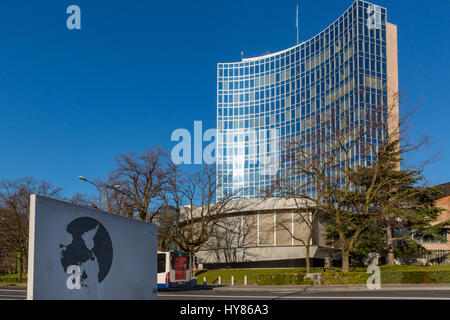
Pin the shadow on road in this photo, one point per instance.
(193, 288)
(288, 294)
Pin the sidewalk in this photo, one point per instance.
(387, 287)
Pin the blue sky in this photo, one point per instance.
(71, 101)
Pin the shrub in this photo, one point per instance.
(330, 278)
(300, 279)
(391, 277)
(405, 277)
(335, 278)
(282, 279)
(440, 277)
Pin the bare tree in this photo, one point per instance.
(197, 211)
(401, 199)
(141, 179)
(116, 196)
(14, 237)
(232, 238)
(347, 164)
(8, 260)
(306, 216)
(165, 220)
(326, 161)
(83, 200)
(14, 219)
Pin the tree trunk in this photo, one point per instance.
(308, 265)
(345, 260)
(19, 266)
(390, 246)
(191, 262)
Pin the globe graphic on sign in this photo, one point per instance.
(91, 250)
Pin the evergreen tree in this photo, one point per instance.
(401, 204)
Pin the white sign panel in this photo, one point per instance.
(81, 253)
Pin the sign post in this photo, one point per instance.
(78, 253)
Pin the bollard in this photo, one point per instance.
(220, 280)
(232, 280)
(204, 281)
(245, 280)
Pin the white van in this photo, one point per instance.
(174, 269)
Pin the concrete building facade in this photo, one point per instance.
(265, 233)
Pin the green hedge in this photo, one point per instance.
(212, 276)
(440, 277)
(330, 278)
(415, 277)
(335, 278)
(282, 279)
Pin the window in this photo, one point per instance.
(161, 262)
(176, 257)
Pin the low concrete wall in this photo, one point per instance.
(261, 257)
(81, 253)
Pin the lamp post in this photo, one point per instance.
(101, 189)
(98, 188)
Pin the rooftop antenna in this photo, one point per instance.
(242, 55)
(296, 24)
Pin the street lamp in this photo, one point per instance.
(102, 189)
(98, 188)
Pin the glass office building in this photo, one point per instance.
(264, 101)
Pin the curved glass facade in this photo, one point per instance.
(266, 100)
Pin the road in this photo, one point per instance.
(296, 294)
(13, 293)
(302, 294)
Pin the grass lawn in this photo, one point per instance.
(212, 276)
(9, 279)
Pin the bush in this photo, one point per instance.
(330, 278)
(406, 277)
(440, 277)
(336, 278)
(392, 277)
(282, 279)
